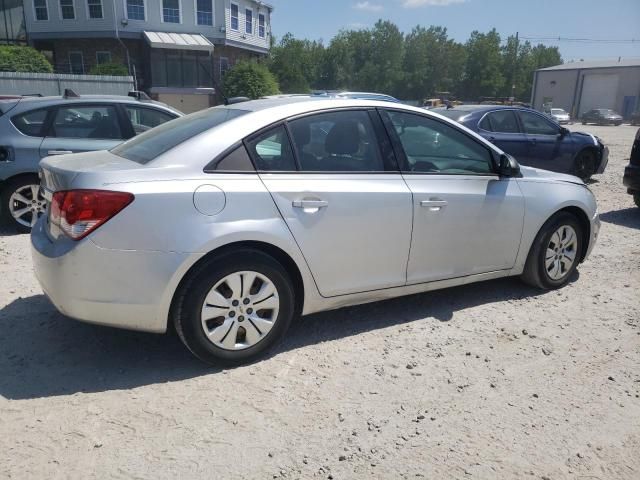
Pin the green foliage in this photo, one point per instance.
(296, 64)
(23, 59)
(115, 69)
(250, 79)
(415, 66)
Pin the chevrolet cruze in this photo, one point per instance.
(231, 222)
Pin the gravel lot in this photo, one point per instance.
(493, 380)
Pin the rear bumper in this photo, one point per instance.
(116, 288)
(631, 178)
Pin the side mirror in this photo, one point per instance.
(563, 131)
(508, 166)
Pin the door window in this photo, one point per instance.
(97, 122)
(337, 142)
(534, 124)
(143, 119)
(272, 151)
(31, 123)
(502, 121)
(434, 147)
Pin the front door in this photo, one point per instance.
(467, 220)
(342, 198)
(547, 147)
(78, 128)
(501, 128)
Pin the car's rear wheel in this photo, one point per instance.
(234, 307)
(555, 253)
(22, 203)
(584, 165)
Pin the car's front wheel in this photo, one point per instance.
(234, 307)
(555, 253)
(584, 165)
(22, 203)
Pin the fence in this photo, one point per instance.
(12, 83)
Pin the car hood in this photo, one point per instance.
(537, 174)
(585, 137)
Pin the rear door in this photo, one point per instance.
(80, 127)
(339, 190)
(501, 128)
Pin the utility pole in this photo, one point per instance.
(514, 68)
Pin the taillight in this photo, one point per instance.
(79, 212)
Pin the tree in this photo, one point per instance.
(115, 69)
(296, 64)
(249, 79)
(483, 72)
(23, 59)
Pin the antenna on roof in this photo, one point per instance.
(139, 95)
(232, 100)
(68, 93)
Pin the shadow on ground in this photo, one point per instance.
(43, 353)
(628, 217)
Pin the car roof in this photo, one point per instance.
(28, 102)
(312, 100)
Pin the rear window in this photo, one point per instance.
(150, 145)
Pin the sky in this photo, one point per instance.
(574, 19)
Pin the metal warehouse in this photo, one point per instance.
(578, 87)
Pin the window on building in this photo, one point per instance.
(171, 11)
(103, 57)
(204, 12)
(40, 7)
(95, 8)
(235, 17)
(76, 63)
(135, 9)
(67, 10)
(180, 68)
(248, 21)
(261, 26)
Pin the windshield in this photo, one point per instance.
(451, 113)
(558, 111)
(607, 111)
(155, 142)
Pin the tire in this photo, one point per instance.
(536, 271)
(28, 189)
(636, 199)
(584, 123)
(584, 165)
(217, 280)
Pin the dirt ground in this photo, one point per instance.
(493, 380)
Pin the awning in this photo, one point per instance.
(178, 41)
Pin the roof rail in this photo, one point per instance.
(232, 100)
(139, 95)
(68, 93)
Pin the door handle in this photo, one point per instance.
(434, 204)
(310, 203)
(59, 152)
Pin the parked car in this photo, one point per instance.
(231, 222)
(602, 116)
(631, 178)
(534, 139)
(635, 118)
(561, 116)
(32, 128)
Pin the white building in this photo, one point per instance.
(178, 49)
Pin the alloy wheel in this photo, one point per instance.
(240, 310)
(26, 204)
(561, 252)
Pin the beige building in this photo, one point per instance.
(579, 87)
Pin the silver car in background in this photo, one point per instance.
(561, 116)
(231, 222)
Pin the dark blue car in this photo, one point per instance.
(533, 138)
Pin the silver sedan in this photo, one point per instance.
(232, 222)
